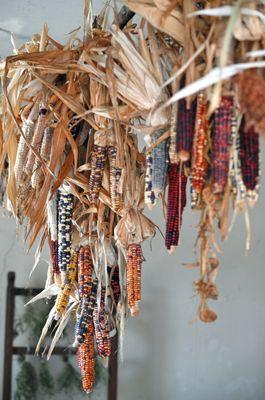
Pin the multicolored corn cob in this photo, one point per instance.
(176, 203)
(235, 173)
(249, 155)
(221, 140)
(115, 179)
(134, 271)
(65, 211)
(102, 327)
(63, 297)
(156, 170)
(87, 288)
(86, 360)
(200, 146)
(115, 284)
(185, 129)
(98, 161)
(36, 140)
(52, 219)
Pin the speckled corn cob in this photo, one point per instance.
(200, 146)
(45, 152)
(22, 150)
(87, 288)
(63, 297)
(115, 177)
(156, 170)
(98, 161)
(102, 327)
(52, 216)
(221, 144)
(86, 360)
(134, 266)
(65, 211)
(149, 194)
(36, 140)
(176, 204)
(235, 172)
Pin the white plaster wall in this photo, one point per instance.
(166, 357)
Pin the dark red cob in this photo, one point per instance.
(222, 128)
(176, 204)
(249, 154)
(185, 129)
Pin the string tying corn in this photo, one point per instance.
(65, 210)
(200, 146)
(134, 271)
(22, 150)
(63, 297)
(115, 179)
(185, 129)
(98, 161)
(177, 182)
(221, 143)
(102, 327)
(36, 140)
(249, 154)
(37, 176)
(86, 360)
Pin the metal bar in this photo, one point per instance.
(113, 370)
(10, 305)
(30, 351)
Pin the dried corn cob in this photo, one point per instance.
(235, 172)
(98, 161)
(115, 179)
(36, 140)
(221, 143)
(149, 193)
(115, 284)
(249, 155)
(185, 129)
(86, 361)
(173, 136)
(45, 152)
(176, 204)
(22, 150)
(87, 289)
(156, 170)
(63, 297)
(102, 327)
(200, 146)
(52, 213)
(65, 210)
(134, 266)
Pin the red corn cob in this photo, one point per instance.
(176, 204)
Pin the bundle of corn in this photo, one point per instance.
(72, 168)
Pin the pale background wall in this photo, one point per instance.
(165, 357)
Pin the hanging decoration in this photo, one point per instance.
(190, 80)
